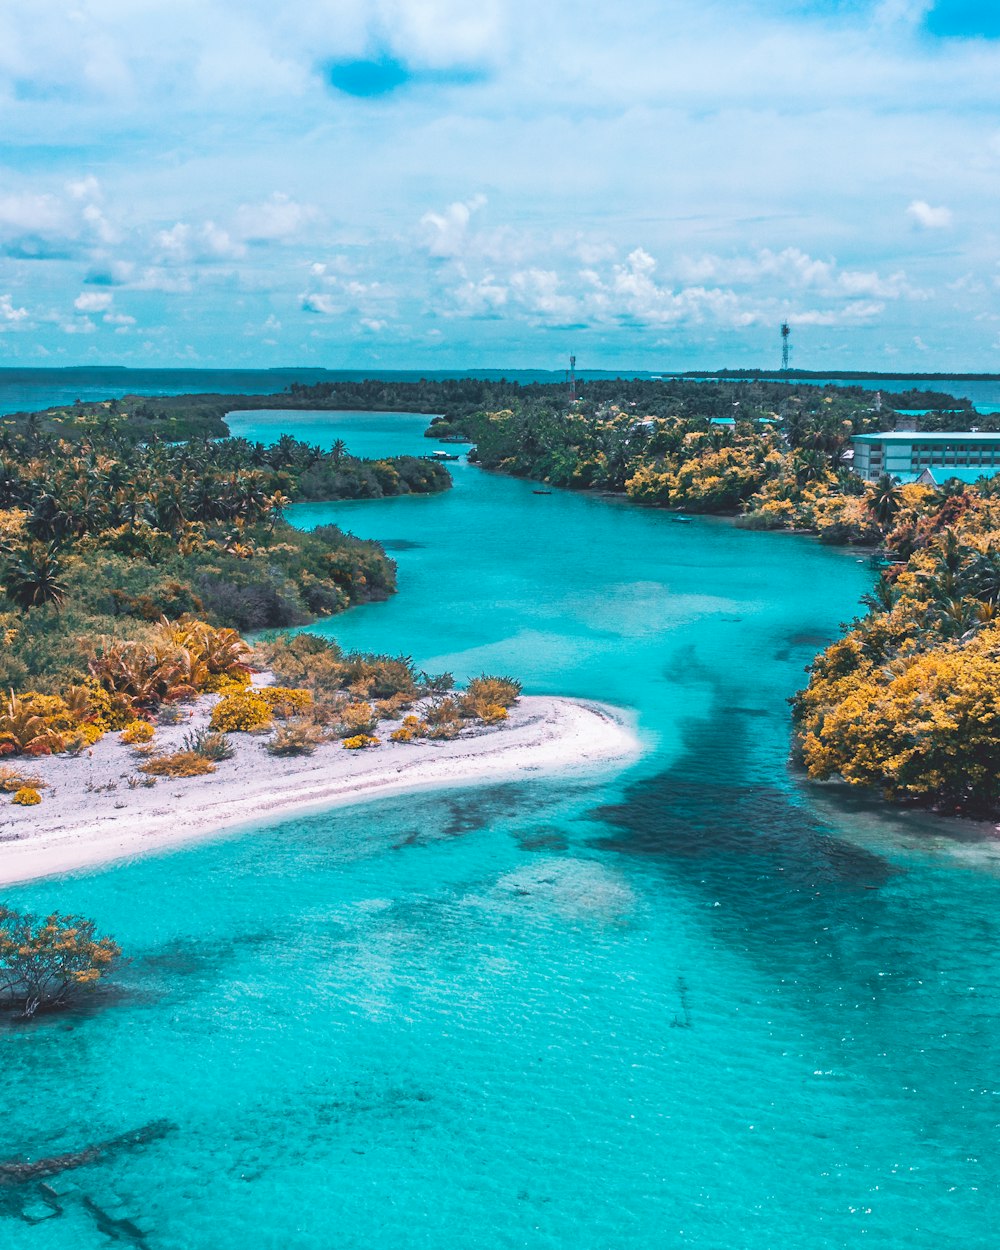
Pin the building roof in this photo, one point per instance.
(914, 436)
(732, 420)
(938, 474)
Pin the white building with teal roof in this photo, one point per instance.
(910, 456)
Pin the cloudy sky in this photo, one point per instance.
(651, 184)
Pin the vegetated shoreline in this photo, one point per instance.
(91, 815)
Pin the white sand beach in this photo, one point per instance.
(91, 814)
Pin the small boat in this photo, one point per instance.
(541, 492)
(442, 455)
(681, 520)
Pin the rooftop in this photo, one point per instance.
(939, 474)
(914, 436)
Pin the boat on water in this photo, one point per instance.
(442, 455)
(681, 520)
(541, 492)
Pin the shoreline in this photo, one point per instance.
(91, 816)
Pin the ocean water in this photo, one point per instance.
(694, 1003)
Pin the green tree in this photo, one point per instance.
(35, 579)
(46, 962)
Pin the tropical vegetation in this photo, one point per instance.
(908, 701)
(102, 535)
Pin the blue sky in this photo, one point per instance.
(430, 183)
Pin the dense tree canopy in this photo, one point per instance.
(103, 534)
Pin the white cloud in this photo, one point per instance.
(275, 220)
(439, 33)
(86, 188)
(9, 315)
(92, 301)
(33, 214)
(155, 278)
(318, 302)
(859, 312)
(927, 218)
(539, 292)
(794, 269)
(183, 244)
(481, 298)
(45, 225)
(635, 199)
(630, 293)
(444, 235)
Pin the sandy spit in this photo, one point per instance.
(91, 814)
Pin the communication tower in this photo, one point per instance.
(786, 331)
(572, 379)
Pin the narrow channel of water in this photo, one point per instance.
(697, 1004)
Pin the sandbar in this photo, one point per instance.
(96, 811)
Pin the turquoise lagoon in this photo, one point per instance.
(697, 1003)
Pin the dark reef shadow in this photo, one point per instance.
(779, 881)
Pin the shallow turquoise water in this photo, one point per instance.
(697, 1004)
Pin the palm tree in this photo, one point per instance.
(34, 580)
(276, 505)
(882, 598)
(886, 500)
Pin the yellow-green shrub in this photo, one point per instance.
(296, 738)
(285, 701)
(411, 729)
(12, 780)
(226, 683)
(27, 796)
(486, 690)
(356, 718)
(83, 736)
(389, 709)
(359, 742)
(137, 731)
(444, 718)
(241, 713)
(102, 708)
(179, 764)
(53, 710)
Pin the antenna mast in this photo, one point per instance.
(572, 379)
(786, 331)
